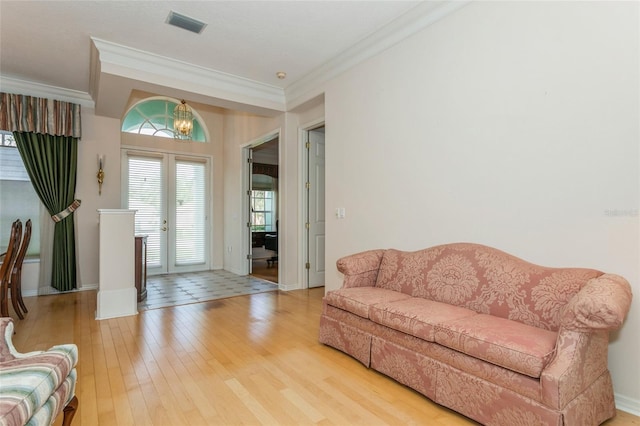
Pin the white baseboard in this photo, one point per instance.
(29, 293)
(50, 290)
(236, 271)
(117, 303)
(626, 404)
(288, 287)
(86, 287)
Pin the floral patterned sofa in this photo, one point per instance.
(36, 386)
(498, 339)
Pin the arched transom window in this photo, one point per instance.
(154, 116)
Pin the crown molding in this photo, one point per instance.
(136, 64)
(30, 88)
(129, 64)
(420, 17)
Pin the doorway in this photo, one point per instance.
(315, 207)
(169, 194)
(264, 213)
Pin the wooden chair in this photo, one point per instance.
(15, 282)
(7, 266)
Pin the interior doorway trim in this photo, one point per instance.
(303, 138)
(246, 184)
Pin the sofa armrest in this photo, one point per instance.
(580, 359)
(601, 304)
(583, 339)
(360, 269)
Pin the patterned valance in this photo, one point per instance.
(265, 169)
(20, 113)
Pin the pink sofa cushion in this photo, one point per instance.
(415, 316)
(359, 300)
(509, 344)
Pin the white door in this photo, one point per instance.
(316, 208)
(169, 193)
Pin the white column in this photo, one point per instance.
(117, 296)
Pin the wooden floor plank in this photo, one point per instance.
(262, 414)
(248, 360)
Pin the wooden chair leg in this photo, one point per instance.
(4, 303)
(69, 411)
(14, 301)
(16, 294)
(19, 292)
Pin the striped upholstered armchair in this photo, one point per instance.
(36, 387)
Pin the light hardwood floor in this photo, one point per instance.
(250, 360)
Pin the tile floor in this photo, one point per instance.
(182, 289)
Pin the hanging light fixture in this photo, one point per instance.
(182, 121)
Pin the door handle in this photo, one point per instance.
(164, 228)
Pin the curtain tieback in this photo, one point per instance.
(66, 212)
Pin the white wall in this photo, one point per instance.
(512, 124)
(100, 136)
(298, 120)
(240, 130)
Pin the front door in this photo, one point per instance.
(169, 194)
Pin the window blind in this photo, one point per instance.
(145, 195)
(190, 212)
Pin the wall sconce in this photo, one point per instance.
(100, 174)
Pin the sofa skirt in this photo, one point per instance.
(487, 393)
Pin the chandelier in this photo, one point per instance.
(182, 121)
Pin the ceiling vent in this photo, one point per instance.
(185, 22)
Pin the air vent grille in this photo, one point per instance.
(185, 22)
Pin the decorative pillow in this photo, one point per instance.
(405, 271)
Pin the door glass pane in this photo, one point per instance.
(145, 196)
(190, 213)
(262, 208)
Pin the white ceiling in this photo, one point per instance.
(50, 42)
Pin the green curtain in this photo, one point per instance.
(51, 162)
(47, 133)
